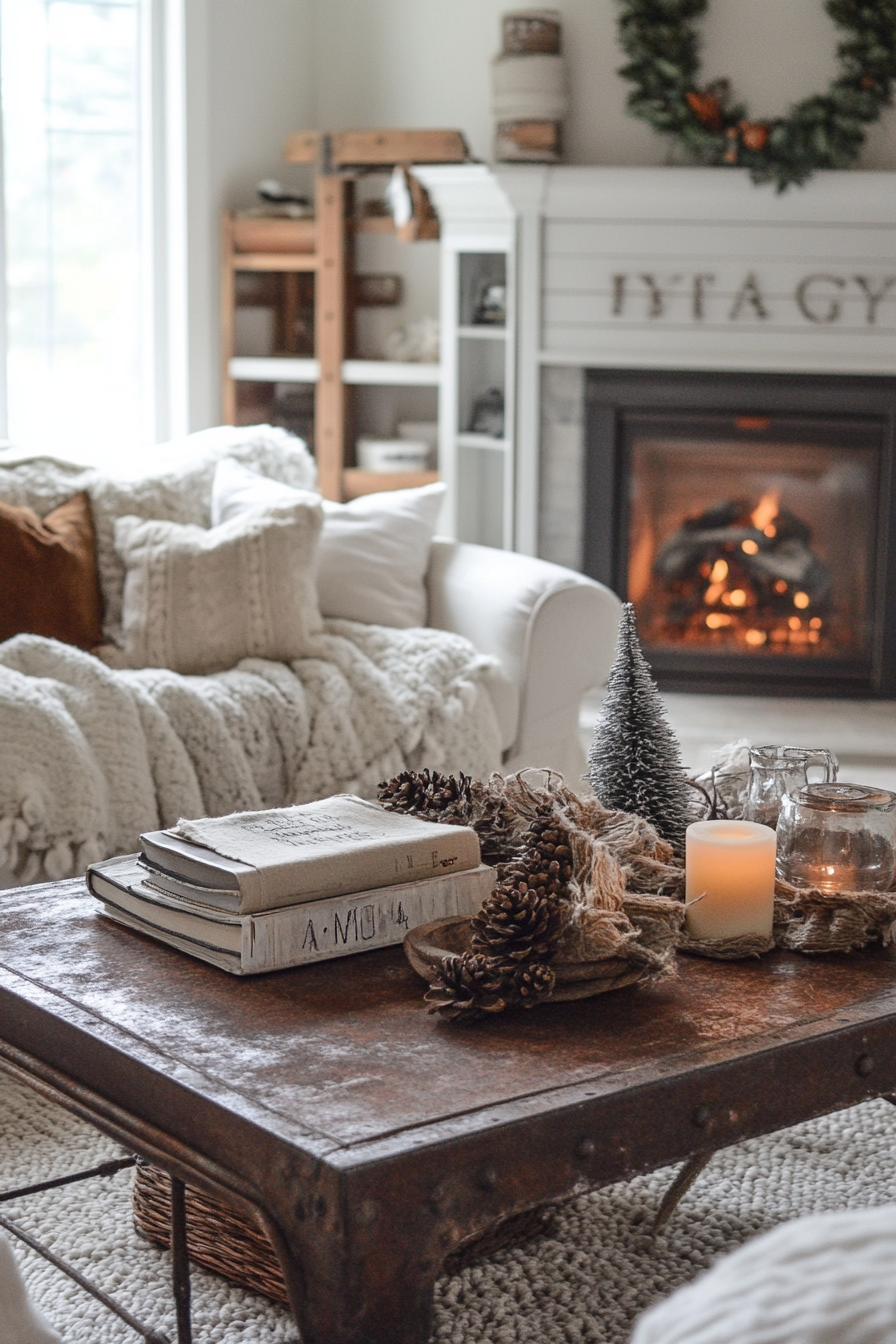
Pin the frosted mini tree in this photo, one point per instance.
(635, 763)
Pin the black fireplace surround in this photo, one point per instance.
(751, 518)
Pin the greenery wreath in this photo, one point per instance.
(825, 131)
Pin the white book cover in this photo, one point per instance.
(330, 847)
(293, 935)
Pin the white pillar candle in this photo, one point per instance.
(730, 865)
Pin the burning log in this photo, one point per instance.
(746, 573)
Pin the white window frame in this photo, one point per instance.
(164, 271)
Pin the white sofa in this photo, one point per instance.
(95, 755)
(552, 630)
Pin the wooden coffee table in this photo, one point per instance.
(374, 1139)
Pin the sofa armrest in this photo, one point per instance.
(552, 630)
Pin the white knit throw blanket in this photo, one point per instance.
(91, 757)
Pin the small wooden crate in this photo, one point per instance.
(273, 233)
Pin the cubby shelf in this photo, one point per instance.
(478, 257)
(273, 369)
(389, 373)
(482, 441)
(356, 372)
(477, 228)
(483, 333)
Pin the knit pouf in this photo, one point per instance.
(20, 1321)
(830, 1279)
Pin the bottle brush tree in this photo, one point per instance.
(635, 763)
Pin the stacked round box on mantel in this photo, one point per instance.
(529, 97)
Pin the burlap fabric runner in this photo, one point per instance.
(812, 921)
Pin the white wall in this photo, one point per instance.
(249, 83)
(258, 69)
(426, 63)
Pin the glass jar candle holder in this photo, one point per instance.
(838, 837)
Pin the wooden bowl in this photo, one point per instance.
(430, 945)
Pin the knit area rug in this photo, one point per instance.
(586, 1281)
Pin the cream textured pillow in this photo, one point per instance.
(374, 552)
(198, 600)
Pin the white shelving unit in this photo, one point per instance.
(273, 369)
(478, 248)
(357, 372)
(478, 237)
(385, 373)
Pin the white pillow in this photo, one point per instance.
(373, 554)
(198, 600)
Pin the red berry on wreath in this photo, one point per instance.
(706, 108)
(754, 134)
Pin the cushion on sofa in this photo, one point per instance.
(50, 583)
(168, 480)
(373, 554)
(198, 600)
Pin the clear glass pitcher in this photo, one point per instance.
(776, 771)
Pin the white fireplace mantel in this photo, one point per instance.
(696, 268)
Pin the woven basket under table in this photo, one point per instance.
(236, 1245)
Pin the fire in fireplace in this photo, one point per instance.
(745, 577)
(748, 541)
(755, 541)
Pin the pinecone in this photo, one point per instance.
(532, 983)
(523, 917)
(544, 857)
(468, 987)
(496, 824)
(456, 801)
(433, 797)
(518, 922)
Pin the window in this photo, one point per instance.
(78, 249)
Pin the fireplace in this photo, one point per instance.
(751, 519)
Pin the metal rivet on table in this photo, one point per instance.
(367, 1212)
(864, 1065)
(487, 1178)
(700, 1116)
(438, 1199)
(586, 1148)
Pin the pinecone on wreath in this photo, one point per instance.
(468, 987)
(533, 982)
(518, 922)
(455, 801)
(524, 915)
(432, 797)
(515, 933)
(635, 763)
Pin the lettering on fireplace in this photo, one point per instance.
(821, 298)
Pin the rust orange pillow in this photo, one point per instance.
(48, 576)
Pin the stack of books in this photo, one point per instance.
(262, 891)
